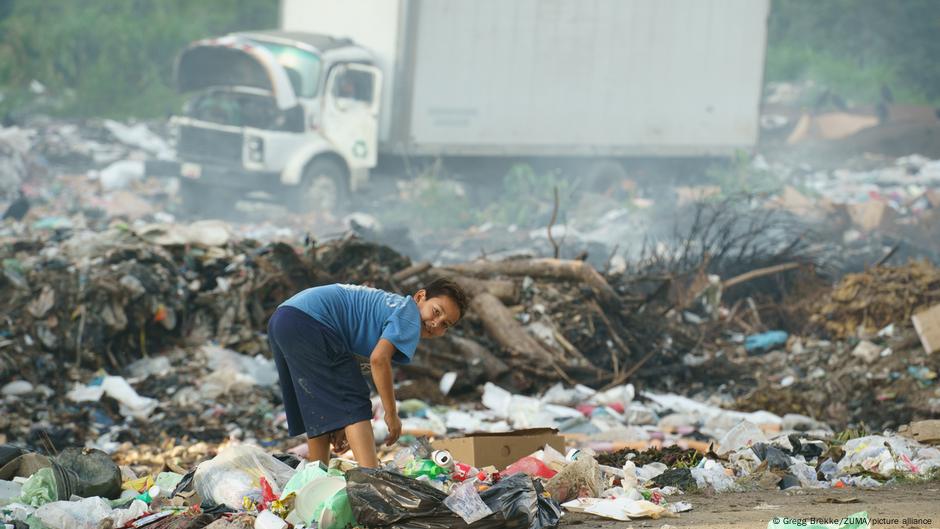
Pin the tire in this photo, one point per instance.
(324, 187)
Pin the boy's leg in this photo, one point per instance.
(318, 449)
(360, 438)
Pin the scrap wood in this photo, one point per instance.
(505, 290)
(623, 377)
(413, 270)
(500, 324)
(493, 366)
(760, 272)
(614, 362)
(561, 269)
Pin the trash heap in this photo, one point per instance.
(243, 486)
(79, 301)
(423, 485)
(105, 298)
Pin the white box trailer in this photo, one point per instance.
(600, 78)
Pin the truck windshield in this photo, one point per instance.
(303, 67)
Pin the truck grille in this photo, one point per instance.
(199, 143)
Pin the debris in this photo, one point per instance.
(866, 351)
(923, 431)
(380, 498)
(237, 472)
(765, 341)
(927, 324)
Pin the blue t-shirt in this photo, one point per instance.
(360, 316)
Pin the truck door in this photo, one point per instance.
(350, 113)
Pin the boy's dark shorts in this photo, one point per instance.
(323, 388)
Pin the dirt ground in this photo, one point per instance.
(887, 507)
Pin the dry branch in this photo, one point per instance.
(411, 271)
(493, 367)
(499, 323)
(560, 269)
(505, 289)
(760, 272)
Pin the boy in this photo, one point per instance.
(314, 336)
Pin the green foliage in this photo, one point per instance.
(110, 57)
(840, 438)
(527, 196)
(857, 46)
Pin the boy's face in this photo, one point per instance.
(437, 314)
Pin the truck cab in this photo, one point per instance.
(291, 114)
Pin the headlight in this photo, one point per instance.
(255, 149)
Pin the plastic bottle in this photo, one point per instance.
(423, 467)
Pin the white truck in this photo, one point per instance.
(307, 111)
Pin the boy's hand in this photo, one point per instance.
(338, 439)
(394, 428)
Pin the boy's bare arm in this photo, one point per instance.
(381, 363)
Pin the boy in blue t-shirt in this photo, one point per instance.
(314, 337)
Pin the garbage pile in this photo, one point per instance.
(243, 486)
(421, 485)
(84, 306)
(106, 298)
(876, 209)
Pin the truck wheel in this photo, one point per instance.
(324, 187)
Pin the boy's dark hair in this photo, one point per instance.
(448, 287)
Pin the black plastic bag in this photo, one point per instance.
(9, 453)
(380, 498)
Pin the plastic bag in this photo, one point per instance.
(464, 501)
(744, 435)
(39, 489)
(388, 499)
(530, 466)
(83, 514)
(713, 474)
(806, 474)
(304, 475)
(579, 479)
(135, 510)
(236, 472)
(871, 453)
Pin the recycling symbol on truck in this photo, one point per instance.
(359, 149)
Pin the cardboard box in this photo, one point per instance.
(500, 449)
(927, 432)
(927, 325)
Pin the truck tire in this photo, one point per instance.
(323, 187)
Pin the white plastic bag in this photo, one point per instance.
(465, 501)
(744, 435)
(236, 472)
(84, 514)
(806, 474)
(713, 475)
